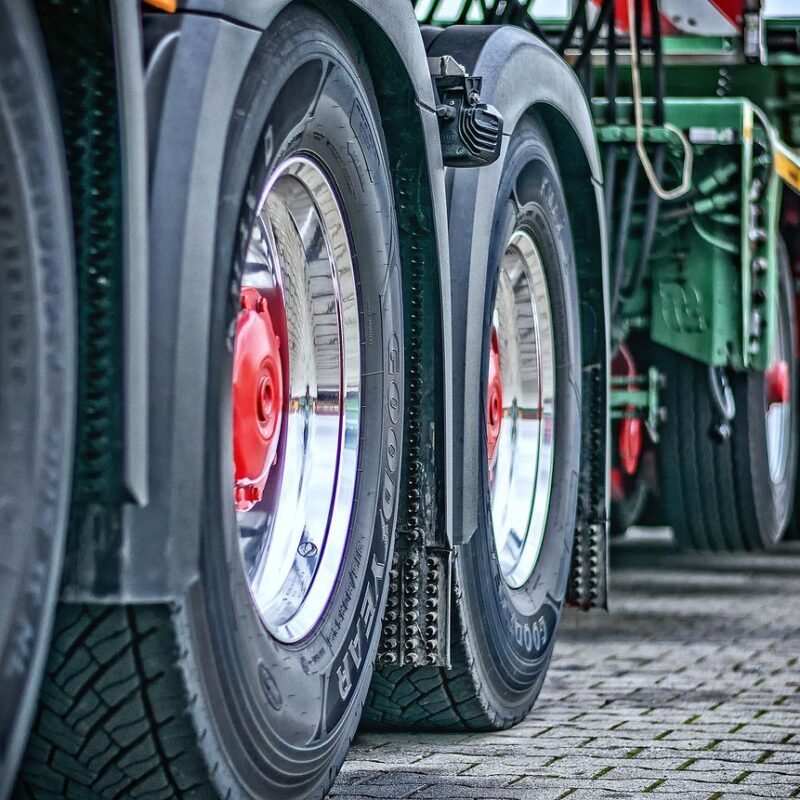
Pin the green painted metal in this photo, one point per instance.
(637, 396)
(707, 289)
(713, 268)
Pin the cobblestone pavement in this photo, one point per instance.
(688, 690)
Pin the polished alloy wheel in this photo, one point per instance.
(521, 453)
(296, 399)
(777, 399)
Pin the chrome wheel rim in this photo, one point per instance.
(520, 471)
(293, 538)
(777, 391)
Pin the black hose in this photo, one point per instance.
(611, 72)
(658, 63)
(648, 234)
(523, 18)
(624, 225)
(519, 15)
(639, 29)
(585, 73)
(569, 32)
(610, 180)
(530, 23)
(591, 39)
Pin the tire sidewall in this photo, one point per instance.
(37, 371)
(258, 692)
(773, 502)
(514, 640)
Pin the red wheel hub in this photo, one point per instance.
(617, 485)
(494, 411)
(630, 428)
(630, 445)
(777, 383)
(258, 398)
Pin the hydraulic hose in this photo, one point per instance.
(623, 226)
(591, 39)
(658, 64)
(634, 13)
(648, 234)
(610, 180)
(569, 32)
(612, 77)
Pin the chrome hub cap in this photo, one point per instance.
(301, 387)
(777, 390)
(521, 457)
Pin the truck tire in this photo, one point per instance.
(510, 591)
(628, 503)
(37, 371)
(253, 684)
(738, 493)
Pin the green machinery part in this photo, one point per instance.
(712, 268)
(700, 276)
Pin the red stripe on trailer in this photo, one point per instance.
(704, 17)
(621, 18)
(733, 10)
(730, 11)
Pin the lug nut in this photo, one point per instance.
(721, 432)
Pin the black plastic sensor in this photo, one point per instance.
(471, 131)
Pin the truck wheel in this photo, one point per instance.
(512, 574)
(37, 371)
(734, 494)
(252, 686)
(630, 488)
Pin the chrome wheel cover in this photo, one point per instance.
(778, 410)
(293, 540)
(520, 476)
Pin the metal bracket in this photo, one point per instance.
(632, 395)
(754, 40)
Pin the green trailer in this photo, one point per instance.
(696, 110)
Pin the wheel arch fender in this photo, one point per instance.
(524, 76)
(195, 62)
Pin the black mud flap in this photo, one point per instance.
(588, 579)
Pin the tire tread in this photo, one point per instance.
(114, 717)
(703, 496)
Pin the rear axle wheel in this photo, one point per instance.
(730, 485)
(253, 684)
(512, 573)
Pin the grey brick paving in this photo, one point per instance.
(689, 689)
